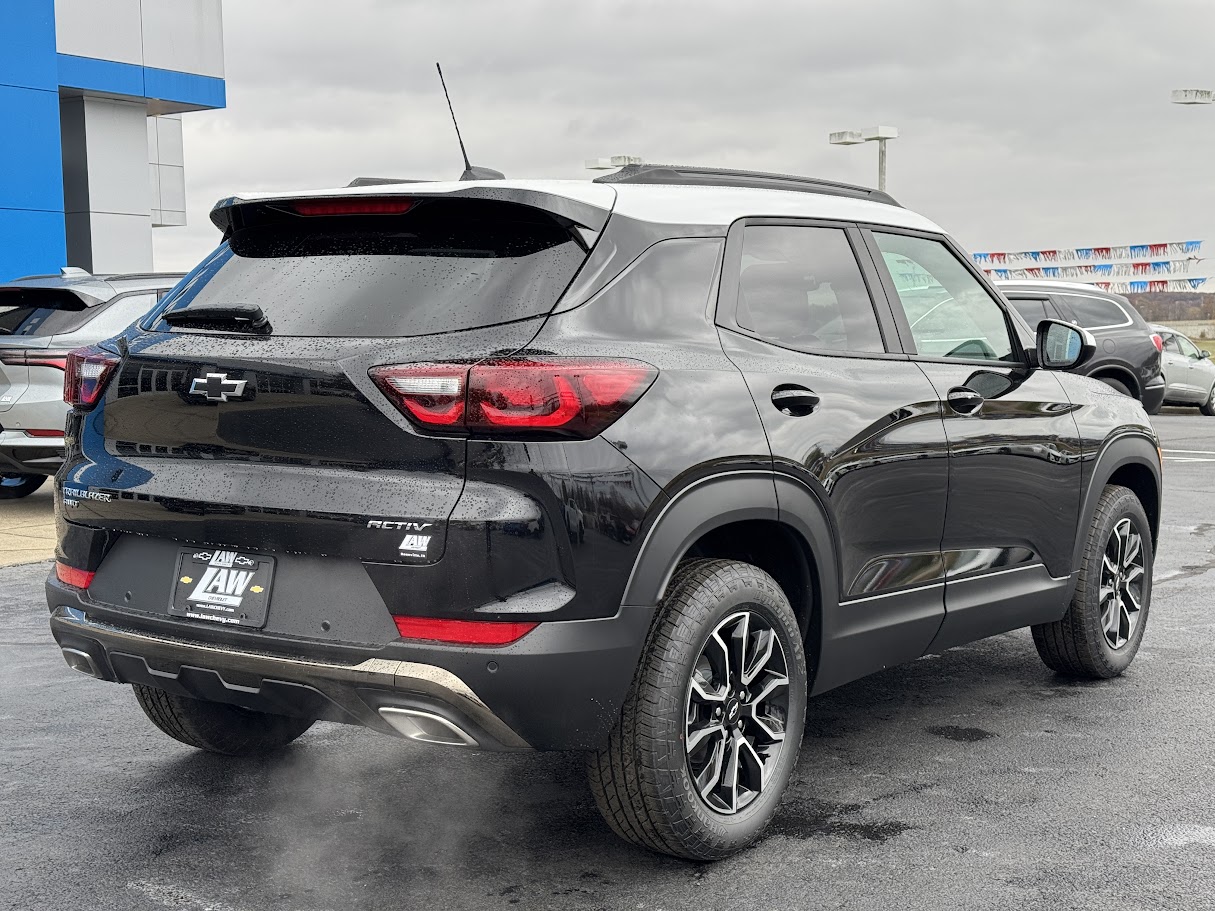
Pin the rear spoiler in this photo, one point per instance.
(226, 215)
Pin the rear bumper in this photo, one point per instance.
(559, 688)
(29, 455)
(1153, 394)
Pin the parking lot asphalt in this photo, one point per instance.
(972, 779)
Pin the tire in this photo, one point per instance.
(643, 780)
(1117, 385)
(1208, 408)
(1079, 645)
(16, 486)
(216, 727)
(1154, 410)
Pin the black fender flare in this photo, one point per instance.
(721, 499)
(1130, 448)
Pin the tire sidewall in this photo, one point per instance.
(1124, 505)
(728, 833)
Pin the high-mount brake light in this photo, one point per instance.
(88, 371)
(464, 632)
(70, 575)
(566, 397)
(1158, 342)
(386, 206)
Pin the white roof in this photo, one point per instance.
(1050, 283)
(689, 205)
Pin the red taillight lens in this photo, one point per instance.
(1158, 342)
(571, 398)
(44, 434)
(463, 632)
(70, 575)
(88, 370)
(36, 358)
(389, 206)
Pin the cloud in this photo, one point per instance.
(1029, 124)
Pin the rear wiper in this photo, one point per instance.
(223, 317)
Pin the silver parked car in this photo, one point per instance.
(42, 318)
(1189, 375)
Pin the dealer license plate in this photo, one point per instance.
(222, 586)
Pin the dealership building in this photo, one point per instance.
(92, 93)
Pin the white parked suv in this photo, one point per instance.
(42, 318)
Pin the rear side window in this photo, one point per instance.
(1170, 344)
(1096, 312)
(444, 265)
(801, 287)
(41, 312)
(1032, 309)
(111, 318)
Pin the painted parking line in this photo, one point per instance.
(1190, 460)
(1205, 452)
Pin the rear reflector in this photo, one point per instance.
(463, 632)
(44, 434)
(70, 575)
(1158, 342)
(88, 370)
(390, 206)
(560, 397)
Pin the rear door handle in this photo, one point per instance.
(794, 401)
(963, 400)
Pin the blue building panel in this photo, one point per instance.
(184, 88)
(31, 243)
(104, 76)
(27, 44)
(31, 158)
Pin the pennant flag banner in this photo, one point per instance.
(1088, 254)
(1112, 270)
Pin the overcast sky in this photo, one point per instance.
(1024, 125)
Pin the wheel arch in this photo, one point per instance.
(1131, 460)
(736, 515)
(1122, 374)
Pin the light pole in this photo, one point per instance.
(873, 134)
(1192, 96)
(616, 161)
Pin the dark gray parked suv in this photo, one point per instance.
(1128, 351)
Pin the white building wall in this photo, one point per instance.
(184, 35)
(166, 171)
(106, 29)
(107, 206)
(181, 35)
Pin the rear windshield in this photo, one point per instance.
(443, 265)
(41, 312)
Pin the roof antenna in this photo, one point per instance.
(470, 172)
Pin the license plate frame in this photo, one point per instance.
(228, 587)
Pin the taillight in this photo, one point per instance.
(44, 434)
(463, 632)
(1158, 342)
(70, 575)
(391, 206)
(35, 357)
(88, 370)
(561, 397)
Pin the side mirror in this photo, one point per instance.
(1062, 346)
(1203, 354)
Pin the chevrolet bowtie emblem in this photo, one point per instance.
(217, 387)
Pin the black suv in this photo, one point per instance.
(631, 467)
(1128, 355)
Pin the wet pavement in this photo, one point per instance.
(973, 779)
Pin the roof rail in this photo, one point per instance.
(723, 177)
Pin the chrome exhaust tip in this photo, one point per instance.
(426, 727)
(81, 661)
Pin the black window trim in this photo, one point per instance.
(896, 305)
(727, 297)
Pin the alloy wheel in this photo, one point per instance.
(1121, 589)
(737, 708)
